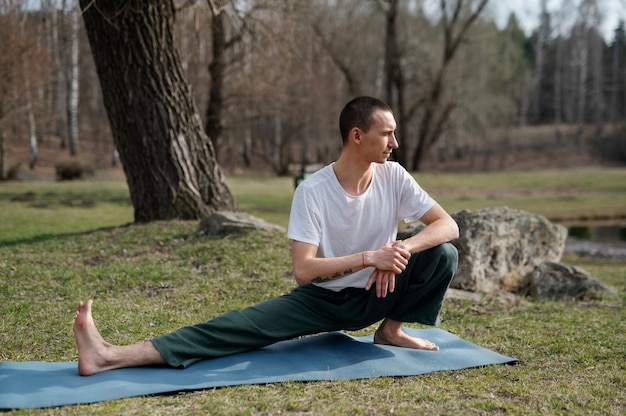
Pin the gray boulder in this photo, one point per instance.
(557, 281)
(499, 246)
(227, 222)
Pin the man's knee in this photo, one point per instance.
(447, 255)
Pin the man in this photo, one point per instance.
(350, 269)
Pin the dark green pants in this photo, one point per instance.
(309, 309)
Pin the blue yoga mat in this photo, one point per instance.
(330, 356)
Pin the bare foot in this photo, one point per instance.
(92, 348)
(401, 339)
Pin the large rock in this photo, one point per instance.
(226, 222)
(498, 247)
(557, 281)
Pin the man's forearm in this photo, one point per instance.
(434, 234)
(317, 270)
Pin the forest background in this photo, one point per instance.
(270, 76)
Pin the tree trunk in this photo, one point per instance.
(582, 89)
(213, 126)
(615, 64)
(32, 133)
(246, 150)
(543, 32)
(339, 59)
(72, 82)
(60, 90)
(558, 86)
(523, 116)
(32, 126)
(169, 162)
(597, 52)
(597, 70)
(394, 79)
(2, 152)
(276, 153)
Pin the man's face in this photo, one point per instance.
(380, 140)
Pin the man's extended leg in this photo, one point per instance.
(306, 310)
(95, 354)
(303, 311)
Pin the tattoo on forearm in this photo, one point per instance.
(335, 276)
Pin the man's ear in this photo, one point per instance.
(355, 135)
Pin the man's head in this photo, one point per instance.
(358, 113)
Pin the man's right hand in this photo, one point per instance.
(388, 261)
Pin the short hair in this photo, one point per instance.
(358, 113)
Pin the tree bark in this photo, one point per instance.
(169, 162)
(32, 126)
(33, 146)
(213, 126)
(59, 91)
(73, 82)
(394, 78)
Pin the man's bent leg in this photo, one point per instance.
(424, 284)
(422, 288)
(96, 355)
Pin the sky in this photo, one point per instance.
(527, 12)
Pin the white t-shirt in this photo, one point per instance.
(339, 224)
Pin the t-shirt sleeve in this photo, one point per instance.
(304, 218)
(415, 202)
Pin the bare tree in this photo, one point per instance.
(456, 19)
(73, 80)
(32, 126)
(277, 85)
(18, 78)
(513, 67)
(60, 91)
(558, 76)
(278, 70)
(8, 26)
(169, 162)
(617, 88)
(356, 57)
(213, 123)
(394, 77)
(228, 27)
(581, 36)
(597, 47)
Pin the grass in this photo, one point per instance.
(43, 209)
(61, 242)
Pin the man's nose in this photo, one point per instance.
(394, 142)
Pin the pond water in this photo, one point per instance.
(601, 233)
